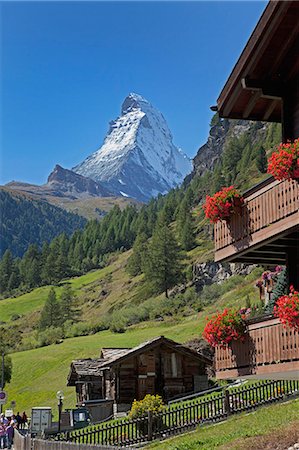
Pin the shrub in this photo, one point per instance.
(118, 325)
(15, 317)
(77, 329)
(152, 403)
(51, 335)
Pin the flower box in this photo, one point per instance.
(284, 163)
(225, 327)
(287, 309)
(223, 204)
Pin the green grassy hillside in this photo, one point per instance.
(99, 292)
(39, 373)
(272, 427)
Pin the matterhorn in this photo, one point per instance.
(138, 158)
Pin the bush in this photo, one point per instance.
(15, 317)
(51, 335)
(140, 408)
(118, 325)
(77, 329)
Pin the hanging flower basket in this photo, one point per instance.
(287, 309)
(284, 163)
(225, 327)
(223, 204)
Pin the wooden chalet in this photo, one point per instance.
(264, 86)
(159, 366)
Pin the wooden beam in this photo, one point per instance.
(285, 46)
(251, 104)
(267, 88)
(270, 110)
(273, 246)
(260, 260)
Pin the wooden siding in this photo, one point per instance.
(268, 212)
(269, 350)
(157, 371)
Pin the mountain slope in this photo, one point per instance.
(101, 293)
(138, 158)
(74, 185)
(26, 221)
(72, 192)
(63, 183)
(246, 136)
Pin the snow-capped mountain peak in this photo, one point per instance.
(138, 158)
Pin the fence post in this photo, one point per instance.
(149, 426)
(227, 408)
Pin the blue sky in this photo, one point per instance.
(67, 66)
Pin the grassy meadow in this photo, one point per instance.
(270, 427)
(39, 373)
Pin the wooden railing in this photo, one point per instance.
(26, 442)
(180, 418)
(267, 204)
(269, 349)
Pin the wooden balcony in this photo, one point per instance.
(267, 228)
(270, 351)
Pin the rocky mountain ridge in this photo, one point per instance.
(63, 183)
(221, 132)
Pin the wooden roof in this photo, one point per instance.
(108, 353)
(116, 359)
(269, 61)
(81, 368)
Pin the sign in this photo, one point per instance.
(3, 397)
(8, 413)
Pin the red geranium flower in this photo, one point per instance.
(222, 204)
(284, 163)
(287, 309)
(225, 327)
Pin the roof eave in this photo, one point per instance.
(233, 86)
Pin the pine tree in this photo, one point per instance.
(280, 288)
(163, 268)
(6, 269)
(50, 315)
(218, 180)
(49, 274)
(231, 157)
(135, 264)
(68, 311)
(261, 160)
(187, 237)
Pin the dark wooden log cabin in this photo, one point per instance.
(264, 85)
(159, 366)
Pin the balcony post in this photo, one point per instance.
(293, 266)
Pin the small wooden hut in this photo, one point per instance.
(159, 366)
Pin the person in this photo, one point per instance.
(2, 434)
(18, 420)
(10, 433)
(24, 420)
(3, 419)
